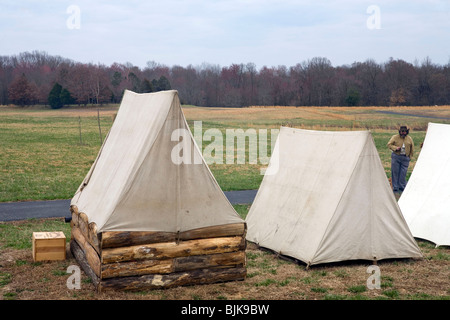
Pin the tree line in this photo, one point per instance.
(39, 78)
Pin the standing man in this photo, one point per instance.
(402, 147)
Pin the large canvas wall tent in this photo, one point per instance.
(141, 218)
(425, 202)
(327, 199)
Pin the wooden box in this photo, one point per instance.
(49, 246)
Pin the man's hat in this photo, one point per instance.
(404, 128)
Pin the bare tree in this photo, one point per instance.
(401, 79)
(310, 82)
(23, 92)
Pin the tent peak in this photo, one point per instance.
(171, 91)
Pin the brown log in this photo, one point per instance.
(79, 255)
(158, 281)
(227, 230)
(92, 237)
(89, 230)
(135, 268)
(113, 239)
(83, 223)
(90, 253)
(142, 267)
(173, 249)
(229, 259)
(74, 211)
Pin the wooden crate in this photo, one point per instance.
(49, 246)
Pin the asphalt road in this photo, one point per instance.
(10, 211)
(413, 115)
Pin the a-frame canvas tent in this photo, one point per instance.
(425, 202)
(150, 198)
(327, 199)
(136, 183)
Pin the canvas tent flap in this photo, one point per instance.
(425, 202)
(135, 184)
(325, 198)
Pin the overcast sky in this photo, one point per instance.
(223, 32)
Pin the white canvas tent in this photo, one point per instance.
(425, 202)
(136, 182)
(328, 199)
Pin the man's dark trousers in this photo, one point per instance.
(399, 167)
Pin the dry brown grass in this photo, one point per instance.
(323, 118)
(260, 113)
(41, 112)
(253, 113)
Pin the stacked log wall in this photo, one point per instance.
(124, 260)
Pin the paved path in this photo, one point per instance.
(10, 211)
(413, 115)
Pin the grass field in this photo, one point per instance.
(44, 156)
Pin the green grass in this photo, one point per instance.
(242, 210)
(357, 289)
(43, 158)
(5, 278)
(392, 294)
(19, 237)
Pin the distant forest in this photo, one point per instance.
(36, 77)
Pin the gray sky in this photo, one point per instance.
(223, 32)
